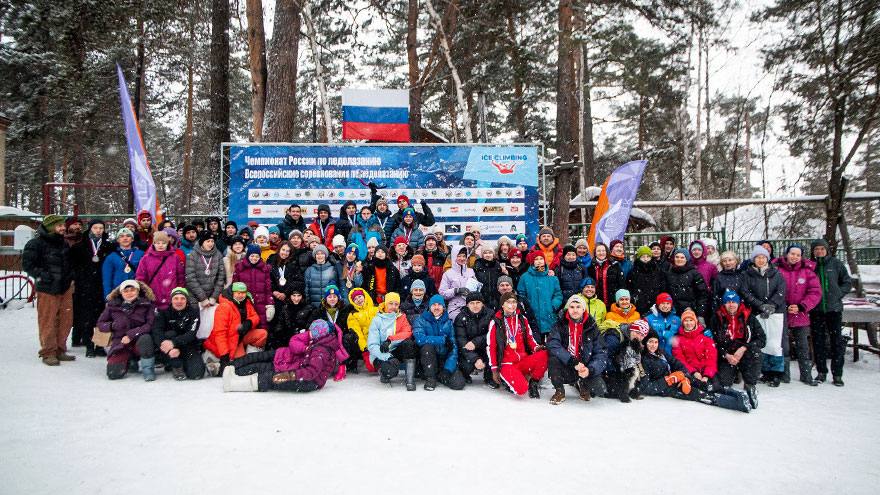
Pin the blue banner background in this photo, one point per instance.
(497, 177)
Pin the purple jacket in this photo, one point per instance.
(454, 278)
(801, 288)
(162, 271)
(707, 269)
(133, 320)
(311, 360)
(259, 284)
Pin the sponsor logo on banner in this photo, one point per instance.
(504, 168)
(453, 229)
(514, 209)
(493, 209)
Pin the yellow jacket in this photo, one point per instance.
(360, 318)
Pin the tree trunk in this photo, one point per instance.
(589, 159)
(281, 94)
(186, 184)
(835, 191)
(566, 119)
(219, 100)
(446, 48)
(257, 58)
(412, 57)
(327, 128)
(139, 82)
(518, 109)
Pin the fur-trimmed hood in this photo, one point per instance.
(145, 293)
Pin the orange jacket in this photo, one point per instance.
(223, 340)
(614, 317)
(552, 253)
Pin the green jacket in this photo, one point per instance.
(833, 278)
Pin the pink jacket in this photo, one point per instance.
(801, 288)
(311, 360)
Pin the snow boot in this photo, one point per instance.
(388, 370)
(822, 377)
(249, 349)
(806, 367)
(533, 389)
(739, 395)
(786, 373)
(725, 401)
(178, 374)
(411, 375)
(584, 390)
(148, 369)
(775, 378)
(558, 397)
(837, 381)
(235, 383)
(368, 363)
(100, 352)
(116, 371)
(752, 392)
(51, 361)
(487, 379)
(66, 357)
(430, 384)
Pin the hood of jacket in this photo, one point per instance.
(145, 293)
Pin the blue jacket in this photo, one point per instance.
(113, 271)
(383, 326)
(585, 261)
(438, 332)
(544, 296)
(666, 327)
(416, 238)
(186, 246)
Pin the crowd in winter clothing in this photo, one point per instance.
(288, 306)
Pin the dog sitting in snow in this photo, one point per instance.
(628, 360)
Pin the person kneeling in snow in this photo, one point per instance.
(696, 351)
(666, 376)
(577, 354)
(434, 335)
(235, 326)
(389, 341)
(174, 334)
(304, 365)
(513, 351)
(129, 317)
(739, 338)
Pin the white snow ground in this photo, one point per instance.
(68, 429)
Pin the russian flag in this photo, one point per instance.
(375, 114)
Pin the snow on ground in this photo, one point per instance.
(69, 428)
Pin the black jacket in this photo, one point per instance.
(609, 279)
(753, 334)
(319, 312)
(645, 281)
(46, 258)
(592, 350)
(570, 275)
(406, 283)
(179, 327)
(472, 327)
(763, 288)
(726, 279)
(833, 278)
(688, 289)
(659, 365)
(413, 310)
(392, 278)
(288, 225)
(87, 274)
(343, 223)
(487, 273)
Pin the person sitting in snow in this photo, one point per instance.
(664, 320)
(359, 319)
(471, 326)
(128, 317)
(627, 363)
(416, 303)
(305, 365)
(577, 354)
(174, 334)
(390, 341)
(235, 329)
(435, 337)
(514, 355)
(739, 339)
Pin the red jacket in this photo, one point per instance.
(330, 231)
(696, 351)
(223, 340)
(552, 253)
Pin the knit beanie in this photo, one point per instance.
(568, 249)
(180, 290)
(507, 296)
(295, 233)
(261, 231)
(505, 278)
(352, 248)
(643, 251)
(230, 222)
(588, 281)
(239, 287)
(144, 214)
(124, 231)
(545, 230)
(530, 259)
(621, 293)
(759, 251)
(730, 295)
(417, 284)
(473, 296)
(96, 221)
(417, 259)
(663, 297)
(576, 298)
(320, 248)
(338, 240)
(319, 328)
(127, 221)
(189, 228)
(252, 249)
(688, 314)
(408, 212)
(205, 235)
(685, 252)
(129, 283)
(372, 242)
(50, 221)
(392, 297)
(399, 240)
(331, 289)
(581, 242)
(521, 237)
(274, 230)
(75, 219)
(437, 299)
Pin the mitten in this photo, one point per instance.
(675, 378)
(386, 346)
(767, 310)
(340, 374)
(270, 312)
(701, 321)
(685, 386)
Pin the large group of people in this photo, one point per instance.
(288, 306)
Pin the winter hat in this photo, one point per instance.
(530, 259)
(653, 244)
(613, 243)
(189, 228)
(382, 201)
(436, 299)
(298, 287)
(759, 251)
(506, 297)
(295, 233)
(392, 297)
(581, 242)
(172, 233)
(372, 242)
(641, 326)
(710, 242)
(96, 221)
(253, 224)
(129, 283)
(205, 235)
(75, 219)
(127, 221)
(545, 230)
(399, 240)
(50, 221)
(587, 281)
(568, 249)
(685, 252)
(261, 231)
(505, 278)
(161, 236)
(417, 284)
(403, 197)
(180, 290)
(246, 231)
(352, 248)
(274, 230)
(323, 207)
(230, 222)
(468, 234)
(319, 328)
(504, 239)
(252, 249)
(320, 248)
(521, 237)
(621, 293)
(473, 296)
(338, 240)
(664, 297)
(124, 231)
(514, 253)
(408, 212)
(699, 245)
(652, 334)
(417, 260)
(576, 298)
(688, 314)
(237, 240)
(144, 214)
(730, 295)
(643, 251)
(787, 249)
(331, 289)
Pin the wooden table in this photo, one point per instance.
(861, 316)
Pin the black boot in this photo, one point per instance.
(388, 370)
(775, 379)
(806, 367)
(821, 377)
(487, 378)
(411, 375)
(786, 373)
(837, 381)
(752, 392)
(533, 389)
(90, 350)
(725, 401)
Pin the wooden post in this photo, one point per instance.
(4, 124)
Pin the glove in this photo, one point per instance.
(462, 291)
(624, 328)
(701, 321)
(386, 346)
(444, 376)
(767, 310)
(340, 374)
(270, 312)
(423, 202)
(241, 331)
(368, 363)
(674, 378)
